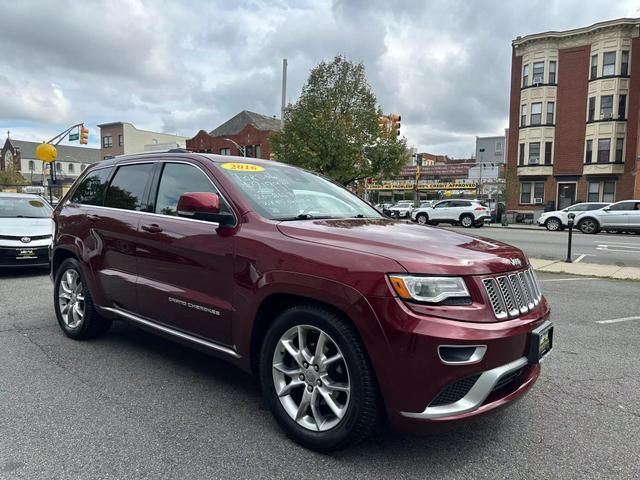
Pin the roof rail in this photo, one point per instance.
(171, 150)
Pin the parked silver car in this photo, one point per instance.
(25, 230)
(558, 219)
(621, 216)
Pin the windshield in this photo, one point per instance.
(280, 192)
(17, 207)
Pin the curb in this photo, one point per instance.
(585, 269)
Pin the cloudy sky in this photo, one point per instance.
(183, 66)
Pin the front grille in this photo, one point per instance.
(514, 294)
(455, 391)
(13, 237)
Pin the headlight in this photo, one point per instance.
(428, 289)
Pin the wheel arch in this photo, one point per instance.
(588, 217)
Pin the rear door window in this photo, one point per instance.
(128, 186)
(91, 190)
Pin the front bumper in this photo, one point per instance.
(24, 256)
(420, 388)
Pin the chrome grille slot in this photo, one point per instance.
(495, 298)
(514, 294)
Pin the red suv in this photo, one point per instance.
(346, 316)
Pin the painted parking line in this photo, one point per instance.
(618, 320)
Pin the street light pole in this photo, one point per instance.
(241, 149)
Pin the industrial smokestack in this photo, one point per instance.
(284, 89)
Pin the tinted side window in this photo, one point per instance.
(91, 190)
(443, 205)
(126, 190)
(623, 206)
(178, 178)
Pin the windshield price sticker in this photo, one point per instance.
(242, 167)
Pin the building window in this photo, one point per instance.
(107, 141)
(588, 157)
(624, 67)
(550, 109)
(536, 113)
(521, 156)
(622, 107)
(32, 165)
(523, 115)
(71, 168)
(258, 151)
(531, 192)
(120, 140)
(619, 149)
(608, 64)
(594, 67)
(525, 76)
(548, 152)
(534, 153)
(225, 151)
(606, 107)
(552, 73)
(604, 148)
(592, 109)
(538, 72)
(58, 167)
(603, 191)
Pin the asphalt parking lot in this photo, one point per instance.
(133, 405)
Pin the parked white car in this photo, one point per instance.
(401, 209)
(559, 219)
(469, 213)
(621, 216)
(25, 230)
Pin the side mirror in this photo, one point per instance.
(606, 209)
(203, 206)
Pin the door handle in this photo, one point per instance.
(151, 228)
(93, 217)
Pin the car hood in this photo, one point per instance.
(25, 227)
(417, 248)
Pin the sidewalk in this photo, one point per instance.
(586, 269)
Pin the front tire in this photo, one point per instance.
(467, 221)
(75, 311)
(589, 226)
(317, 380)
(422, 218)
(553, 224)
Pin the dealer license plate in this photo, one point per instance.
(26, 253)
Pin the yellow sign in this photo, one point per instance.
(409, 185)
(46, 152)
(242, 167)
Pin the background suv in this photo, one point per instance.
(558, 219)
(401, 209)
(344, 315)
(621, 216)
(466, 212)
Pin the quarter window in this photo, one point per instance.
(624, 66)
(91, 190)
(126, 190)
(594, 67)
(604, 147)
(550, 109)
(552, 73)
(107, 141)
(536, 113)
(609, 64)
(538, 72)
(619, 150)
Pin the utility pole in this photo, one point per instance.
(284, 89)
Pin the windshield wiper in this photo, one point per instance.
(302, 216)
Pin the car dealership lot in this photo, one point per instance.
(133, 405)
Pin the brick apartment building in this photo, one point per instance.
(573, 119)
(245, 134)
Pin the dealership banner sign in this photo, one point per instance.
(422, 185)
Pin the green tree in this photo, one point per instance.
(12, 176)
(334, 127)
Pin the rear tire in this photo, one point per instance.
(478, 224)
(467, 220)
(553, 224)
(315, 424)
(75, 311)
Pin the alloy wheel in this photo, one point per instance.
(553, 224)
(311, 378)
(466, 221)
(422, 219)
(588, 226)
(71, 298)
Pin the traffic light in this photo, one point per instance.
(84, 135)
(395, 123)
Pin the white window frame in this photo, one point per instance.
(600, 184)
(532, 193)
